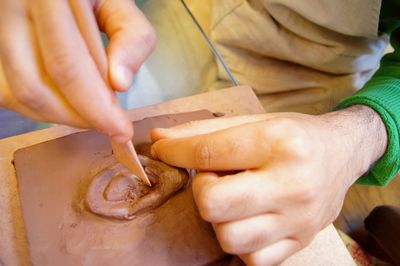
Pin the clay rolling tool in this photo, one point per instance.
(125, 154)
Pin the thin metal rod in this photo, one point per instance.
(212, 46)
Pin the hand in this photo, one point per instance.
(294, 172)
(53, 65)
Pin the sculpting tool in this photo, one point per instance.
(125, 154)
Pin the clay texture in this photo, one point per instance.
(55, 180)
(117, 193)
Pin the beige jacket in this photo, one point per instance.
(301, 55)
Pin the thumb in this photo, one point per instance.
(131, 36)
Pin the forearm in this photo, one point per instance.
(382, 94)
(359, 136)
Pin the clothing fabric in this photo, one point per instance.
(303, 56)
(306, 56)
(382, 93)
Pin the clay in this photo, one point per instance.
(117, 193)
(53, 180)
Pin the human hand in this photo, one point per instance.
(294, 172)
(53, 65)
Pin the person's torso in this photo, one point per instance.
(299, 55)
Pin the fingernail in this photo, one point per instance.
(153, 152)
(124, 76)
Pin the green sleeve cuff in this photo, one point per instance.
(383, 95)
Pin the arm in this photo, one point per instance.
(382, 93)
(291, 172)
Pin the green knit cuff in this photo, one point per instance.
(383, 95)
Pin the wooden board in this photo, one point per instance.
(53, 179)
(326, 249)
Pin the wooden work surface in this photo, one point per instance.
(326, 249)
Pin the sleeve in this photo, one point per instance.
(382, 93)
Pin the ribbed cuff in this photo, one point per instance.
(383, 95)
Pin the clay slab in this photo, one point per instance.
(53, 177)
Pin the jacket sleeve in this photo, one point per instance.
(382, 93)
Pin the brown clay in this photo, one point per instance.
(54, 178)
(117, 193)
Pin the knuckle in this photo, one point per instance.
(134, 47)
(306, 193)
(275, 129)
(28, 94)
(206, 209)
(228, 239)
(207, 205)
(255, 259)
(148, 37)
(63, 69)
(257, 240)
(5, 99)
(298, 147)
(202, 155)
(291, 138)
(234, 242)
(279, 125)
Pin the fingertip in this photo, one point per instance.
(161, 150)
(121, 77)
(157, 134)
(122, 131)
(201, 182)
(153, 152)
(203, 179)
(129, 47)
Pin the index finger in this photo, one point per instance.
(74, 71)
(205, 126)
(237, 148)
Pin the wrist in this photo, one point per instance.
(362, 136)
